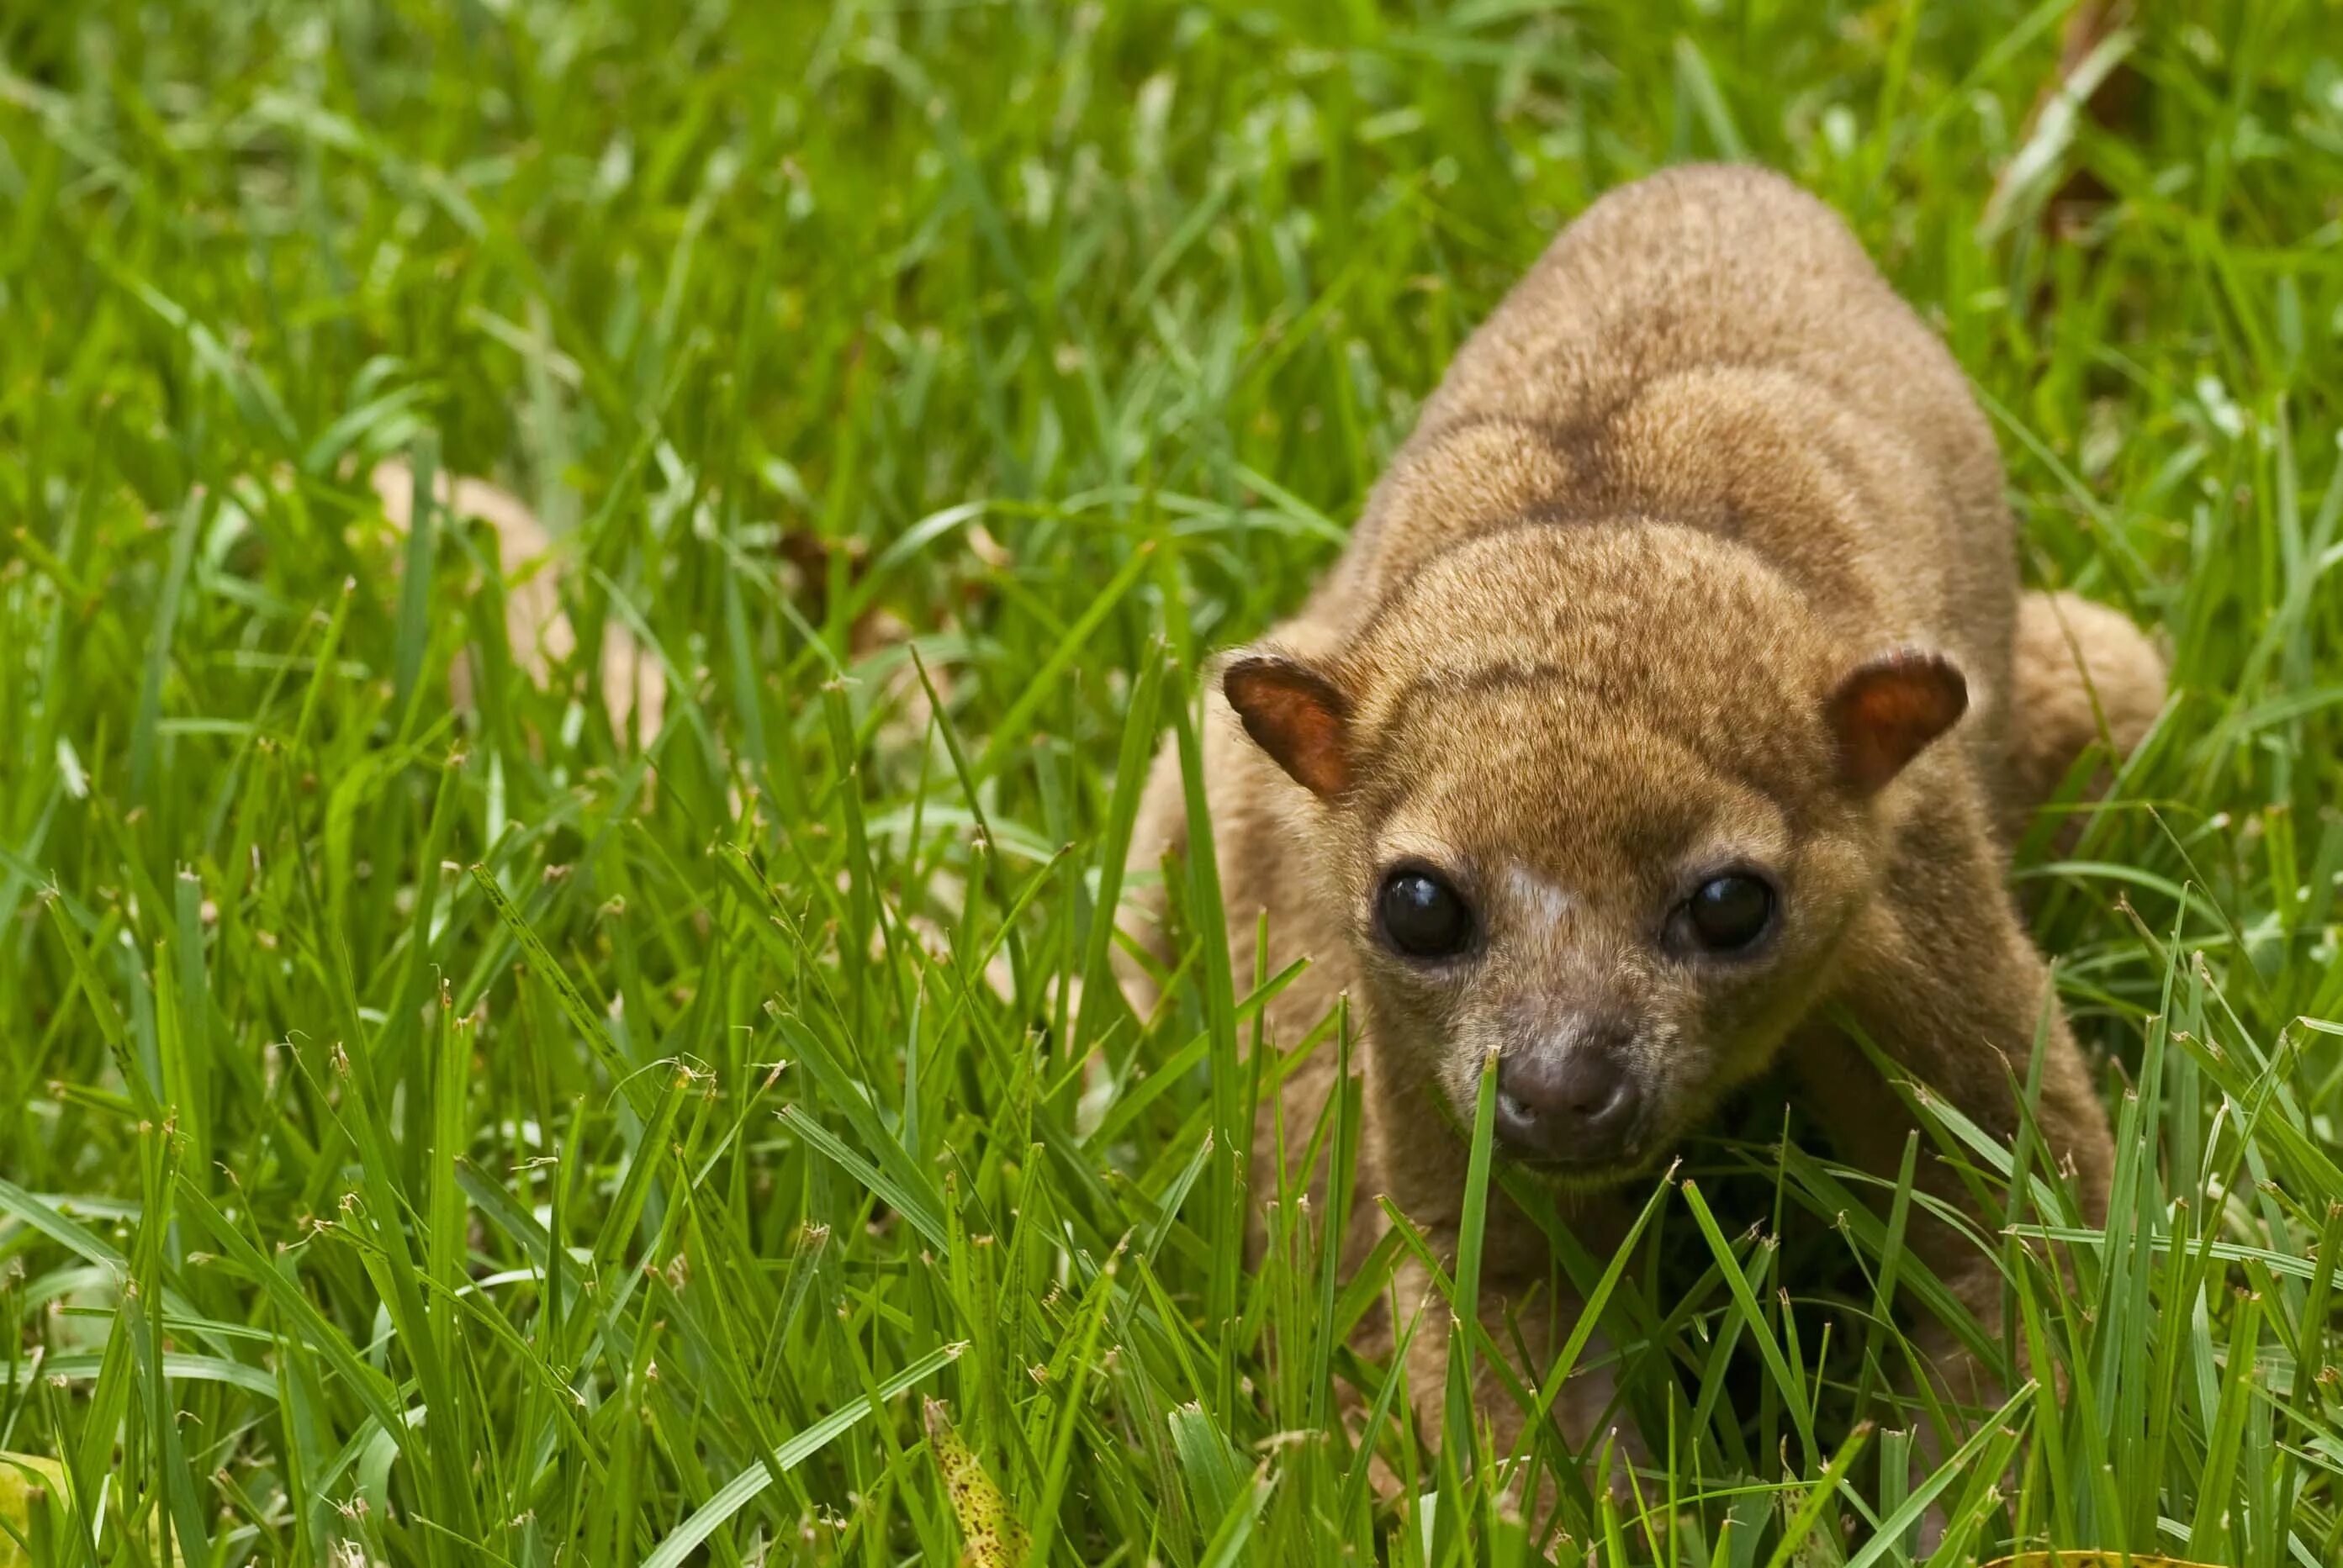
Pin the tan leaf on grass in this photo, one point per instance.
(2093, 80)
(535, 623)
(875, 631)
(24, 1478)
(2088, 1560)
(995, 1539)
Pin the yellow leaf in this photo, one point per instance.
(23, 1478)
(995, 1538)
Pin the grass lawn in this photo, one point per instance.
(448, 1134)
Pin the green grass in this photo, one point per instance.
(439, 1138)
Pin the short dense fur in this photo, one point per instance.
(1696, 551)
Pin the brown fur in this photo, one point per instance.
(2089, 678)
(1691, 557)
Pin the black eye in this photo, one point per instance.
(1727, 913)
(1423, 916)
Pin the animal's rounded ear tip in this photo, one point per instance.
(1937, 671)
(1916, 659)
(1240, 671)
(1951, 684)
(1913, 668)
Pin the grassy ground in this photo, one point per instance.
(435, 1137)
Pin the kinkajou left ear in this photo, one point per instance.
(1887, 709)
